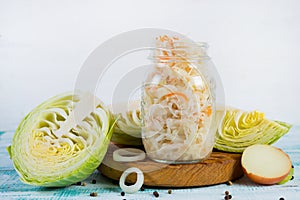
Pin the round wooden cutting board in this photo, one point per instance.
(220, 167)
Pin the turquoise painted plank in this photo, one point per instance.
(12, 188)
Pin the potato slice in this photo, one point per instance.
(265, 164)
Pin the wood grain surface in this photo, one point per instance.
(218, 168)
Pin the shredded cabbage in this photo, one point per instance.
(178, 108)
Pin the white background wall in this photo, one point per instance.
(254, 44)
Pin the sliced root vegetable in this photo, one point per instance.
(265, 164)
(128, 155)
(138, 184)
(288, 178)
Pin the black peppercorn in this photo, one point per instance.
(78, 183)
(93, 181)
(169, 191)
(281, 198)
(292, 178)
(122, 193)
(155, 193)
(229, 196)
(229, 183)
(226, 193)
(93, 194)
(142, 188)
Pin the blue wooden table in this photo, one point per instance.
(12, 188)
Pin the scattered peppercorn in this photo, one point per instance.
(84, 184)
(93, 194)
(142, 188)
(122, 193)
(292, 177)
(78, 183)
(229, 183)
(93, 181)
(226, 197)
(281, 198)
(229, 196)
(292, 166)
(226, 193)
(155, 193)
(169, 191)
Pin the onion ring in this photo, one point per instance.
(128, 155)
(137, 185)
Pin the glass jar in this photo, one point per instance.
(178, 103)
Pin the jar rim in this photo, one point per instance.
(191, 44)
(177, 58)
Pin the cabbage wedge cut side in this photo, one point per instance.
(127, 130)
(240, 129)
(62, 141)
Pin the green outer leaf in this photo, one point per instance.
(9, 151)
(123, 138)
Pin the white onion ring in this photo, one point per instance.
(138, 184)
(128, 155)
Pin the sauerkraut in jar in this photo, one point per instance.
(178, 103)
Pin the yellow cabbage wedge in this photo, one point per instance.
(240, 129)
(62, 141)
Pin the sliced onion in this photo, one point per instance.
(128, 155)
(138, 184)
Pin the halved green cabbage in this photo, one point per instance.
(240, 129)
(62, 141)
(128, 126)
